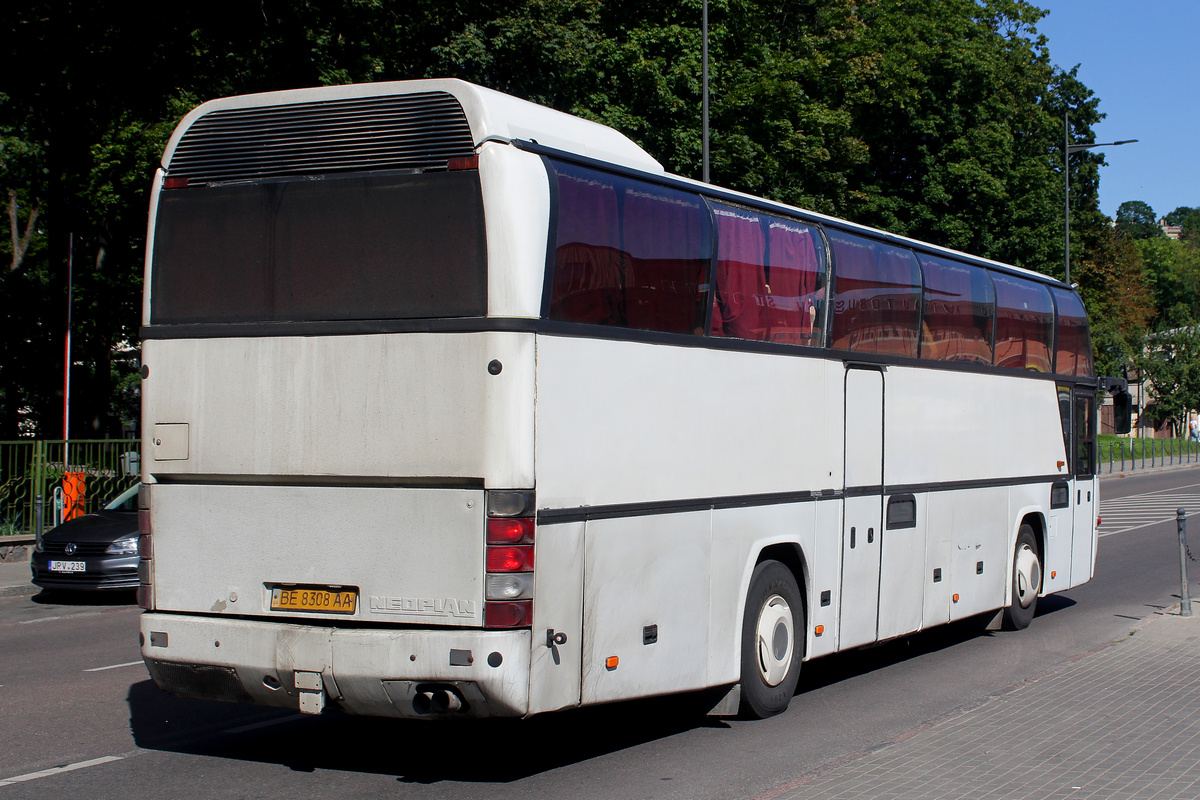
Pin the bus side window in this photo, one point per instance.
(877, 296)
(667, 236)
(627, 253)
(1073, 346)
(770, 278)
(738, 303)
(589, 264)
(1024, 324)
(797, 283)
(958, 312)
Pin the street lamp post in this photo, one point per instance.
(1068, 149)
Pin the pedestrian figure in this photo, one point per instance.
(1194, 430)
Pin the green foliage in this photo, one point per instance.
(939, 119)
(1173, 270)
(1171, 365)
(1136, 220)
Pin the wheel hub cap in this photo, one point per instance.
(776, 638)
(1028, 575)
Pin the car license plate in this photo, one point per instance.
(327, 600)
(68, 566)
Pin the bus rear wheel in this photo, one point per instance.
(772, 641)
(1026, 581)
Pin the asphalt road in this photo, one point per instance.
(80, 718)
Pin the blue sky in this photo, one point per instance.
(1142, 59)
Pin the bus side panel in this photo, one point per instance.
(629, 422)
(739, 536)
(1057, 567)
(825, 575)
(954, 426)
(902, 559)
(942, 512)
(981, 558)
(646, 603)
(555, 666)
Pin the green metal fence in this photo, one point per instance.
(80, 475)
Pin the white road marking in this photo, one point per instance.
(116, 666)
(46, 773)
(1125, 514)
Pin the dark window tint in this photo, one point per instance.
(958, 312)
(393, 246)
(877, 296)
(1024, 324)
(1073, 346)
(1085, 432)
(770, 278)
(628, 253)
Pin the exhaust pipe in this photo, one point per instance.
(437, 700)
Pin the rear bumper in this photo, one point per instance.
(378, 672)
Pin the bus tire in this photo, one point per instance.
(1026, 581)
(772, 641)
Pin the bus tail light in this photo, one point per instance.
(463, 162)
(145, 590)
(509, 560)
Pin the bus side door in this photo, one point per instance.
(1083, 486)
(862, 516)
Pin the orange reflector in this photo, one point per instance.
(955, 598)
(611, 662)
(819, 630)
(463, 162)
(1062, 464)
(1053, 574)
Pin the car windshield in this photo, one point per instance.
(125, 501)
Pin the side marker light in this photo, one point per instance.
(611, 662)
(955, 598)
(1053, 574)
(819, 630)
(1062, 464)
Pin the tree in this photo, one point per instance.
(1171, 364)
(939, 119)
(1136, 220)
(1173, 271)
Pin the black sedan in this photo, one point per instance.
(95, 551)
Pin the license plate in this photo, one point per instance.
(314, 598)
(68, 566)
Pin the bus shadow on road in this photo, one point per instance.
(478, 751)
(469, 751)
(842, 666)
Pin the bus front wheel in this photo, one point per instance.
(1026, 581)
(772, 641)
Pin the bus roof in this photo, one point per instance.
(490, 114)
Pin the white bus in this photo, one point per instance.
(459, 406)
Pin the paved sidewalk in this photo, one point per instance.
(1120, 722)
(15, 579)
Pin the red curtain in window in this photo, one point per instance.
(741, 277)
(794, 276)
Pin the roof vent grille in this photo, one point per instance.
(411, 131)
